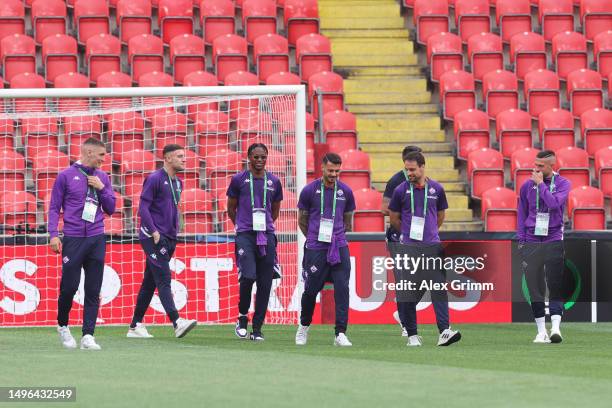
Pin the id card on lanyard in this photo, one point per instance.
(417, 224)
(91, 203)
(326, 225)
(542, 219)
(259, 214)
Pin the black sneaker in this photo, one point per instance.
(241, 327)
(257, 336)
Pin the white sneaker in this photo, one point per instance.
(301, 337)
(542, 338)
(448, 337)
(184, 326)
(89, 343)
(66, 337)
(342, 341)
(397, 319)
(415, 341)
(139, 332)
(555, 336)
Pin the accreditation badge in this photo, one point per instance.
(326, 229)
(259, 219)
(541, 227)
(417, 226)
(90, 209)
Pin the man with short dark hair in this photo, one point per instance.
(159, 228)
(83, 192)
(417, 210)
(326, 210)
(541, 206)
(392, 234)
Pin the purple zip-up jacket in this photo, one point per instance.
(552, 203)
(69, 193)
(157, 210)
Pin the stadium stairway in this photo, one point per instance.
(386, 89)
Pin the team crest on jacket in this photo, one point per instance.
(432, 190)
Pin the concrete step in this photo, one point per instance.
(369, 98)
(458, 214)
(385, 85)
(404, 137)
(388, 108)
(383, 161)
(393, 60)
(456, 201)
(396, 148)
(449, 187)
(379, 71)
(329, 23)
(358, 10)
(462, 226)
(366, 34)
(398, 122)
(442, 175)
(371, 47)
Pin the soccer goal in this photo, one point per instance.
(41, 131)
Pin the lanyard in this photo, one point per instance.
(552, 186)
(323, 198)
(172, 189)
(88, 186)
(412, 200)
(265, 190)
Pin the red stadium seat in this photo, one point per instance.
(301, 18)
(472, 17)
(471, 130)
(596, 17)
(133, 18)
(485, 171)
(191, 174)
(18, 55)
(271, 54)
(541, 91)
(48, 18)
(77, 129)
(313, 54)
(12, 18)
(196, 208)
(355, 169)
(242, 106)
(103, 54)
(573, 164)
(602, 51)
(258, 18)
(125, 133)
(39, 134)
(187, 56)
(175, 17)
(331, 87)
(499, 209)
(91, 17)
(513, 129)
(584, 89)
(569, 53)
(200, 78)
(156, 105)
(486, 54)
(457, 93)
(556, 128)
(596, 129)
(444, 53)
(221, 165)
(7, 129)
(168, 128)
(254, 126)
(46, 165)
(500, 92)
(603, 169)
(135, 166)
(72, 80)
(60, 55)
(585, 207)
(340, 130)
(28, 80)
(367, 216)
(285, 121)
(12, 171)
(556, 16)
(217, 18)
(522, 165)
(146, 54)
(513, 17)
(211, 130)
(527, 53)
(114, 79)
(280, 104)
(17, 211)
(230, 55)
(430, 17)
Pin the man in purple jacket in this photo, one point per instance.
(540, 234)
(253, 204)
(159, 227)
(83, 193)
(325, 213)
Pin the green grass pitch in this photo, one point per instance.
(492, 366)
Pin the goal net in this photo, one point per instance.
(40, 135)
